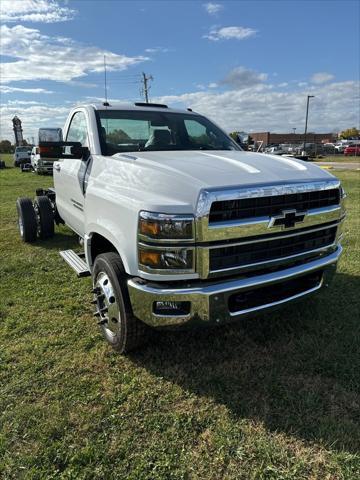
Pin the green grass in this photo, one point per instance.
(274, 398)
(338, 158)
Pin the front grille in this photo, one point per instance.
(223, 258)
(273, 293)
(226, 210)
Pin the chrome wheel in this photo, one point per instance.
(21, 226)
(107, 307)
(37, 214)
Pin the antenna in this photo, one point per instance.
(106, 104)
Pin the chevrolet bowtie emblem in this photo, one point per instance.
(286, 219)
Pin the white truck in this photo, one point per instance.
(22, 156)
(179, 226)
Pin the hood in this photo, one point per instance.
(175, 179)
(229, 168)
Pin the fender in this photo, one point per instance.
(106, 233)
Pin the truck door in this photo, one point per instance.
(69, 177)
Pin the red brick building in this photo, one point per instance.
(268, 138)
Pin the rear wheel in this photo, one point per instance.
(45, 217)
(120, 328)
(26, 219)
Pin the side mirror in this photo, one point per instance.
(52, 146)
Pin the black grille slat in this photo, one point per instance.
(241, 301)
(226, 210)
(240, 255)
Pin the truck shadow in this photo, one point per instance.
(296, 370)
(63, 239)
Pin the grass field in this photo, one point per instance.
(276, 397)
(339, 158)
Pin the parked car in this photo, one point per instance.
(22, 155)
(179, 226)
(352, 150)
(277, 150)
(39, 164)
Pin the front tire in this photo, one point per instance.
(120, 328)
(26, 219)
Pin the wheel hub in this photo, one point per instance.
(107, 308)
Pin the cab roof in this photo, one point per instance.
(138, 106)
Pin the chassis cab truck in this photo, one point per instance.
(179, 226)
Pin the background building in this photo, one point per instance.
(276, 138)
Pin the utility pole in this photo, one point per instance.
(146, 88)
(306, 119)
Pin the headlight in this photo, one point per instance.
(160, 227)
(166, 259)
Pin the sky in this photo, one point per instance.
(248, 65)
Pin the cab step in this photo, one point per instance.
(76, 262)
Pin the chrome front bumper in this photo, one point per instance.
(209, 301)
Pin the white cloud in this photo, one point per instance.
(40, 57)
(212, 8)
(33, 116)
(257, 109)
(6, 89)
(321, 77)
(47, 11)
(157, 50)
(213, 85)
(242, 77)
(230, 33)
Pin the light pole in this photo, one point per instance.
(306, 120)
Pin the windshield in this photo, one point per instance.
(22, 149)
(132, 131)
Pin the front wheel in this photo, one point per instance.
(120, 328)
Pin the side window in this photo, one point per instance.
(78, 130)
(198, 132)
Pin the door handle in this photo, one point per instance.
(57, 167)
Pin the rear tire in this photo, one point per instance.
(45, 217)
(26, 219)
(120, 328)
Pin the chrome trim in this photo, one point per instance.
(275, 237)
(277, 261)
(258, 225)
(209, 301)
(203, 252)
(174, 271)
(163, 216)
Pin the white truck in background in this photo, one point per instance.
(180, 227)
